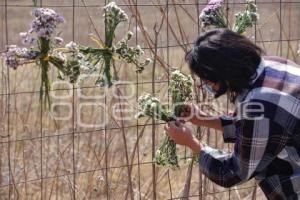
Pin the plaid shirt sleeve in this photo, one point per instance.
(253, 148)
(229, 132)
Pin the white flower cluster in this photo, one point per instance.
(58, 40)
(151, 106)
(86, 67)
(180, 89)
(127, 52)
(114, 14)
(247, 18)
(71, 51)
(131, 54)
(15, 56)
(73, 47)
(73, 54)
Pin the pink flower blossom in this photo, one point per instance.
(45, 23)
(213, 5)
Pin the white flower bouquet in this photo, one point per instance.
(102, 58)
(180, 90)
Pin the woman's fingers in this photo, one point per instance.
(177, 123)
(182, 121)
(179, 133)
(186, 111)
(167, 127)
(189, 112)
(188, 108)
(172, 125)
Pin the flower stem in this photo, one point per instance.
(44, 61)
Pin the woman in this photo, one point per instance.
(266, 124)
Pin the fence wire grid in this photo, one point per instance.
(64, 154)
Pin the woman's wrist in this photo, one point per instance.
(195, 146)
(209, 122)
(200, 118)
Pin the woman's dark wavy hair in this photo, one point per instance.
(225, 57)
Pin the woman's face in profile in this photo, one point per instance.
(201, 84)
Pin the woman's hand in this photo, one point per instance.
(182, 135)
(192, 113)
(196, 116)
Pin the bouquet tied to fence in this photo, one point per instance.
(42, 40)
(103, 57)
(214, 15)
(180, 90)
(74, 62)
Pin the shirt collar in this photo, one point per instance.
(259, 71)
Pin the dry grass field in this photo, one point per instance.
(43, 156)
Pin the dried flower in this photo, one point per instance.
(129, 35)
(16, 56)
(70, 62)
(24, 36)
(114, 14)
(42, 40)
(151, 106)
(58, 40)
(43, 28)
(180, 89)
(131, 54)
(148, 61)
(72, 46)
(102, 58)
(28, 39)
(247, 18)
(166, 155)
(45, 23)
(213, 5)
(213, 15)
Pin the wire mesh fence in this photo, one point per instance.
(90, 145)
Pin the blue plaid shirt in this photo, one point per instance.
(267, 142)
